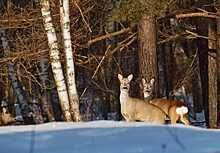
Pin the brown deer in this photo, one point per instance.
(134, 109)
(6, 118)
(174, 109)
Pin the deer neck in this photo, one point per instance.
(124, 96)
(148, 96)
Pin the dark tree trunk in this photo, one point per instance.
(147, 50)
(202, 44)
(46, 104)
(196, 84)
(171, 67)
(190, 50)
(110, 27)
(208, 85)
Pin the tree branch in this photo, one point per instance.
(197, 14)
(199, 36)
(82, 16)
(108, 36)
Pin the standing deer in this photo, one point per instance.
(6, 118)
(174, 109)
(133, 109)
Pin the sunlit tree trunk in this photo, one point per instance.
(70, 70)
(212, 73)
(47, 111)
(55, 60)
(27, 111)
(218, 66)
(147, 46)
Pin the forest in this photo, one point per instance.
(60, 59)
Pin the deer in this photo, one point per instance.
(6, 118)
(174, 109)
(134, 109)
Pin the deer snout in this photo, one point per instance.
(124, 87)
(147, 91)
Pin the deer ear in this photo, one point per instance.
(120, 77)
(143, 80)
(152, 81)
(130, 77)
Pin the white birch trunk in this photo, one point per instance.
(70, 70)
(44, 76)
(55, 60)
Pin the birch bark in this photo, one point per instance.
(70, 70)
(55, 59)
(28, 113)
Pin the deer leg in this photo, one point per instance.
(184, 119)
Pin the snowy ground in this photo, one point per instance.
(108, 137)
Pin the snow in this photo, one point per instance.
(108, 137)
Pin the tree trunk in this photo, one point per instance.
(70, 70)
(147, 50)
(212, 91)
(54, 98)
(44, 77)
(189, 47)
(218, 66)
(169, 67)
(55, 60)
(202, 29)
(212, 67)
(47, 111)
(202, 45)
(27, 111)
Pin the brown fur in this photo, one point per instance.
(134, 109)
(169, 107)
(6, 118)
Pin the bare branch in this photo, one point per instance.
(199, 36)
(120, 46)
(96, 70)
(197, 14)
(108, 36)
(82, 16)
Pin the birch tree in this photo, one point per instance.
(70, 70)
(44, 77)
(55, 59)
(28, 113)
